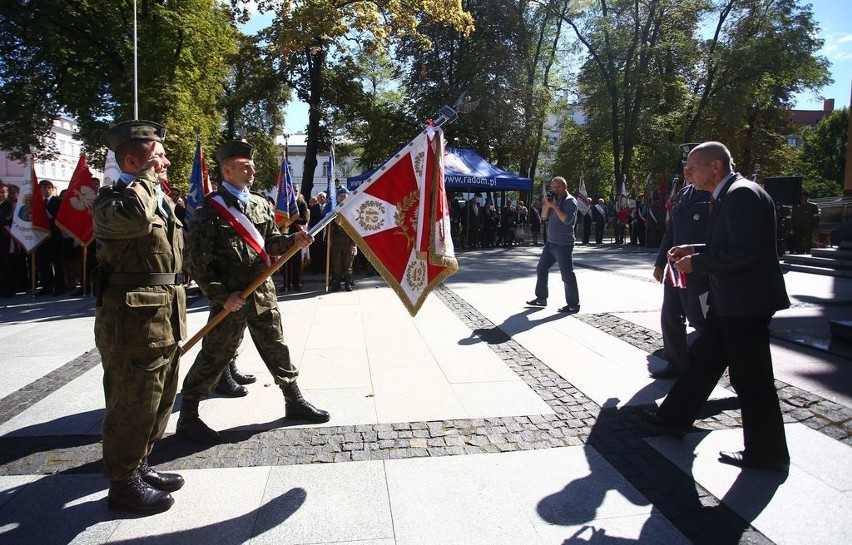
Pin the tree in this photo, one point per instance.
(312, 34)
(254, 96)
(823, 155)
(78, 56)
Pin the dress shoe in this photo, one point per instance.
(167, 482)
(665, 373)
(297, 407)
(653, 418)
(739, 459)
(537, 303)
(135, 496)
(568, 309)
(228, 387)
(335, 287)
(240, 377)
(348, 287)
(192, 428)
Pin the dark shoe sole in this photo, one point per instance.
(231, 393)
(738, 460)
(653, 419)
(536, 303)
(113, 505)
(664, 374)
(311, 419)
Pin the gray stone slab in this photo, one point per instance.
(58, 510)
(214, 506)
(325, 504)
(795, 509)
(516, 497)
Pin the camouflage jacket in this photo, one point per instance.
(221, 261)
(133, 238)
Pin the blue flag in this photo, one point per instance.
(199, 182)
(286, 206)
(330, 191)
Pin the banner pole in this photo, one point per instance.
(256, 283)
(447, 115)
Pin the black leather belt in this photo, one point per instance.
(145, 279)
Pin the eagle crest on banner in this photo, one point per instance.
(369, 215)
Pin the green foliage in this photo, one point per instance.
(78, 56)
(823, 155)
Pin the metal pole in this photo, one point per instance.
(135, 69)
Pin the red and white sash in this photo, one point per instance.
(242, 226)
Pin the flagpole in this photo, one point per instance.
(257, 282)
(447, 115)
(135, 68)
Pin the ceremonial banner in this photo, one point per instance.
(199, 181)
(111, 171)
(75, 212)
(400, 219)
(30, 224)
(286, 206)
(330, 190)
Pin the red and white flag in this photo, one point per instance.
(400, 219)
(75, 212)
(30, 224)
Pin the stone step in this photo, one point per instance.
(838, 273)
(840, 330)
(832, 253)
(814, 261)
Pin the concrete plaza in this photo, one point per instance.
(480, 420)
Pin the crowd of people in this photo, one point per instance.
(721, 235)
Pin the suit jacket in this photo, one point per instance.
(687, 223)
(740, 253)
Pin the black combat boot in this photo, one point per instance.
(167, 482)
(296, 407)
(240, 378)
(227, 385)
(191, 427)
(135, 496)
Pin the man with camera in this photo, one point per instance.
(559, 210)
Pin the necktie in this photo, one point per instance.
(712, 205)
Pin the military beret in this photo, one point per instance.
(117, 135)
(234, 148)
(805, 194)
(342, 190)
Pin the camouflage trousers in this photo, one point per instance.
(340, 263)
(139, 394)
(220, 345)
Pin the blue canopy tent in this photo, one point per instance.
(465, 170)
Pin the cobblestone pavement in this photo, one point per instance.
(617, 434)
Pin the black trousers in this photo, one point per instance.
(742, 345)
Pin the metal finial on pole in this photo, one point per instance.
(135, 68)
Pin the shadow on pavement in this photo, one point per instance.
(77, 509)
(618, 440)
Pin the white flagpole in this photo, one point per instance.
(135, 69)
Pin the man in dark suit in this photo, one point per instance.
(746, 289)
(49, 253)
(687, 224)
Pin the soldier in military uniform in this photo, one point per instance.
(686, 225)
(232, 234)
(140, 316)
(341, 253)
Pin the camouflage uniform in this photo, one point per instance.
(340, 256)
(137, 327)
(222, 263)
